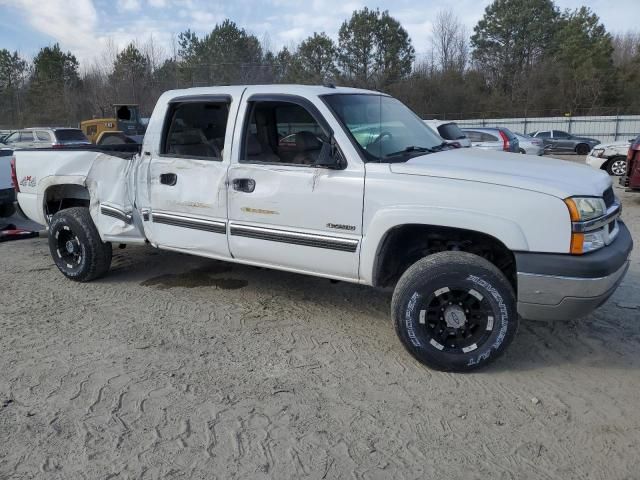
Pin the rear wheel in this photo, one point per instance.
(76, 247)
(582, 149)
(454, 311)
(617, 166)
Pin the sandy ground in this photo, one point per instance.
(177, 367)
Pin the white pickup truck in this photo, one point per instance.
(349, 185)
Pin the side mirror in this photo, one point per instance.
(330, 156)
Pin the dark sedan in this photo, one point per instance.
(562, 142)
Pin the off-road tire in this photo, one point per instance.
(87, 257)
(582, 149)
(462, 274)
(615, 166)
(7, 210)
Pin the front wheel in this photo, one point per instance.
(454, 311)
(617, 166)
(76, 247)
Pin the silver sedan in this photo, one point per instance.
(530, 145)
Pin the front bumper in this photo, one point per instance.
(595, 162)
(565, 287)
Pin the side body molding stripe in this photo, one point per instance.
(189, 222)
(296, 238)
(116, 213)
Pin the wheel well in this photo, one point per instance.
(404, 245)
(581, 145)
(59, 197)
(606, 164)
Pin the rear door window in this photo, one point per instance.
(43, 137)
(543, 135)
(560, 134)
(473, 135)
(196, 130)
(487, 137)
(26, 136)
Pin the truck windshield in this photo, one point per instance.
(383, 128)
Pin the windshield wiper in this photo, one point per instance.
(441, 146)
(410, 149)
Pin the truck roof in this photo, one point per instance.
(291, 89)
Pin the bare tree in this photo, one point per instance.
(449, 39)
(626, 46)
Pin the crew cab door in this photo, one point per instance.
(183, 170)
(285, 211)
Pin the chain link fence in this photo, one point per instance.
(610, 128)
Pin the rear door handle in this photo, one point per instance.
(168, 179)
(246, 185)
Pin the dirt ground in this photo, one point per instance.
(178, 367)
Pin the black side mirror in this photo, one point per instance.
(330, 156)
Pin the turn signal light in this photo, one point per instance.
(577, 243)
(573, 209)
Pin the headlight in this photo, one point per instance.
(583, 209)
(597, 152)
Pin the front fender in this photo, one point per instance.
(505, 230)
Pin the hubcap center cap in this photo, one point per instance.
(454, 316)
(70, 246)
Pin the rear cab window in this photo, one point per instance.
(196, 128)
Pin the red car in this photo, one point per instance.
(632, 179)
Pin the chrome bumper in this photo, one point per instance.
(546, 297)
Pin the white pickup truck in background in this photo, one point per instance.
(349, 185)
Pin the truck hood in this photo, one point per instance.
(559, 178)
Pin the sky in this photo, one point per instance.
(85, 27)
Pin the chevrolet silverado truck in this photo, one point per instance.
(350, 185)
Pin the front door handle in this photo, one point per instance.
(168, 179)
(246, 185)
